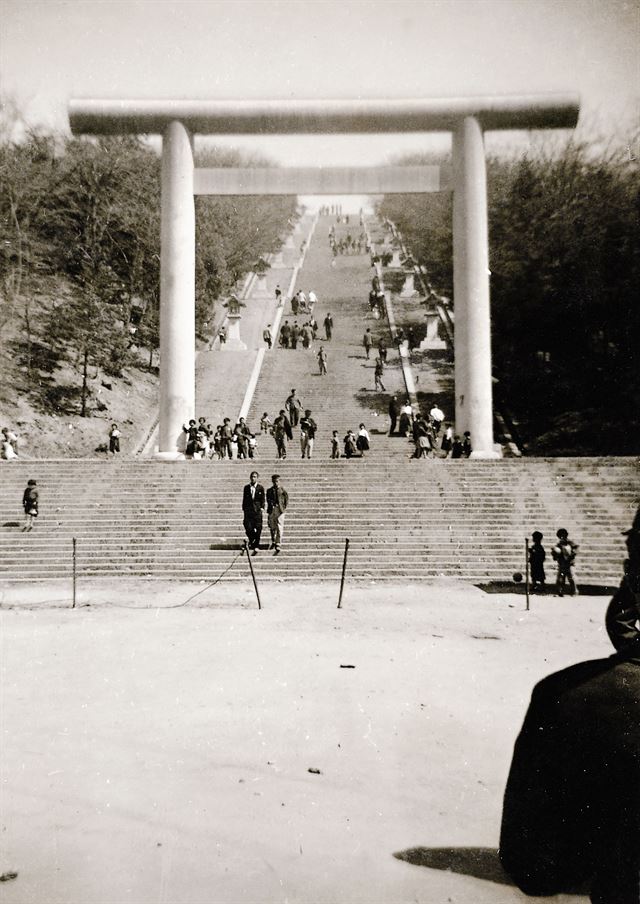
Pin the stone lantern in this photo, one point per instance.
(234, 342)
(408, 287)
(432, 340)
(261, 289)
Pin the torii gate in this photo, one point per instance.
(467, 118)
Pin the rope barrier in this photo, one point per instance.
(174, 605)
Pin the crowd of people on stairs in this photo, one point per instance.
(431, 434)
(202, 441)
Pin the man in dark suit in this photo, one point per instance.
(277, 502)
(294, 407)
(328, 326)
(394, 411)
(572, 804)
(253, 503)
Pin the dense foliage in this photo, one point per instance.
(565, 265)
(80, 255)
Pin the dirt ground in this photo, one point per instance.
(211, 753)
(131, 402)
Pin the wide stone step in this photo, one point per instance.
(404, 573)
(295, 547)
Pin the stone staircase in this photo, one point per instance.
(345, 397)
(406, 520)
(340, 400)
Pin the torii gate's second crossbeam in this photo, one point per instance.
(466, 118)
(334, 180)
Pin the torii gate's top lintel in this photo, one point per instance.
(273, 117)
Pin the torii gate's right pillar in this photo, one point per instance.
(473, 383)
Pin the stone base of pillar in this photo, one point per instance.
(491, 455)
(168, 456)
(261, 290)
(428, 345)
(408, 289)
(432, 340)
(234, 343)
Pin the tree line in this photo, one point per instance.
(80, 256)
(565, 270)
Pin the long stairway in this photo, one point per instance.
(405, 519)
(345, 397)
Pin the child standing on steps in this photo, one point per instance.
(30, 504)
(447, 440)
(564, 553)
(456, 447)
(537, 556)
(335, 445)
(350, 448)
(362, 442)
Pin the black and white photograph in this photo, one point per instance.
(320, 451)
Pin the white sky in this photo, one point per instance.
(51, 50)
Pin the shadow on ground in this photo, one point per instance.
(426, 401)
(478, 862)
(549, 590)
(481, 863)
(440, 359)
(374, 401)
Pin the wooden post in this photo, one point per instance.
(255, 585)
(74, 574)
(344, 568)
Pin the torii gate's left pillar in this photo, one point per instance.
(177, 289)
(474, 406)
